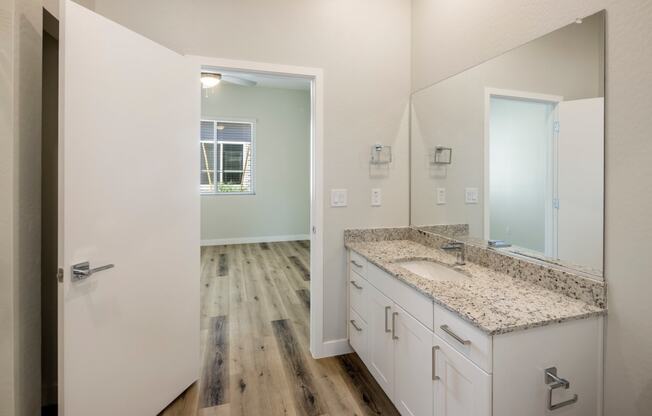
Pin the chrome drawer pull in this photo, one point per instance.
(357, 328)
(356, 264)
(387, 308)
(394, 315)
(356, 285)
(435, 377)
(554, 383)
(456, 337)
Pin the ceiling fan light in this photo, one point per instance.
(209, 80)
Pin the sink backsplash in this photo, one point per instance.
(553, 278)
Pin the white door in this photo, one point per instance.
(413, 369)
(380, 349)
(580, 181)
(463, 389)
(129, 196)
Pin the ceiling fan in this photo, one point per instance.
(211, 79)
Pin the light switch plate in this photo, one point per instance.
(441, 196)
(471, 195)
(376, 197)
(339, 197)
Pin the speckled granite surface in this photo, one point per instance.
(451, 230)
(492, 301)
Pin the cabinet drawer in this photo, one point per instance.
(464, 337)
(357, 263)
(408, 298)
(358, 294)
(358, 334)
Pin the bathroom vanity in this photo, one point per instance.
(492, 302)
(444, 339)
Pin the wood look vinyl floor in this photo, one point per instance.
(255, 342)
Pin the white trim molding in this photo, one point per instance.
(252, 240)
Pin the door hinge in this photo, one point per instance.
(60, 275)
(555, 127)
(555, 203)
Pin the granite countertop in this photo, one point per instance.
(494, 302)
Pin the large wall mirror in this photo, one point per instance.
(510, 153)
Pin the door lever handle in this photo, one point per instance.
(81, 271)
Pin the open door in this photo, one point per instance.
(128, 196)
(581, 181)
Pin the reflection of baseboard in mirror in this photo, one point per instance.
(527, 128)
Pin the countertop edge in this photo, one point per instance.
(491, 332)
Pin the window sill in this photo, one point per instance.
(226, 193)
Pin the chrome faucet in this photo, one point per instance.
(459, 248)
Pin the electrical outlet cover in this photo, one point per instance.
(441, 196)
(376, 197)
(339, 197)
(471, 195)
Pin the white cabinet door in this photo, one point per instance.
(462, 389)
(380, 352)
(413, 358)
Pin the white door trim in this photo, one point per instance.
(523, 95)
(318, 347)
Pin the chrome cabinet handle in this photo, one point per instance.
(356, 264)
(456, 337)
(356, 285)
(394, 315)
(387, 308)
(357, 328)
(81, 271)
(435, 377)
(554, 383)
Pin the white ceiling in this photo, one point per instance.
(268, 81)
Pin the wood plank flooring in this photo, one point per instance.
(255, 320)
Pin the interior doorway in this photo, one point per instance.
(261, 261)
(49, 212)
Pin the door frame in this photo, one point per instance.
(318, 349)
(489, 92)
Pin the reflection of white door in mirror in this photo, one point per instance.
(520, 169)
(544, 192)
(580, 181)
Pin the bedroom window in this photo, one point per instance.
(227, 157)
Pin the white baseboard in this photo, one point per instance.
(251, 240)
(333, 348)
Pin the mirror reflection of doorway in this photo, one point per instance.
(521, 166)
(545, 175)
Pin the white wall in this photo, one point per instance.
(281, 205)
(467, 32)
(363, 47)
(20, 145)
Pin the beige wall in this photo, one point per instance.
(467, 32)
(20, 129)
(363, 47)
(281, 204)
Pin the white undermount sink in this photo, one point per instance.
(431, 270)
